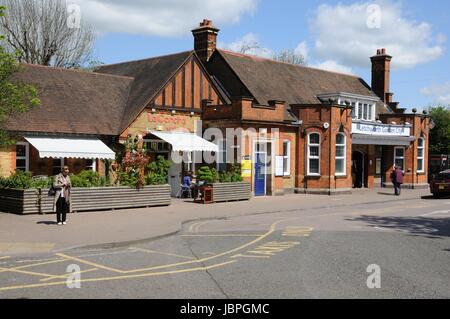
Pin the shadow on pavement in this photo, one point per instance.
(46, 222)
(417, 226)
(430, 197)
(383, 193)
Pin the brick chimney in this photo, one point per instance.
(381, 72)
(205, 39)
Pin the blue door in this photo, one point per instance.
(260, 177)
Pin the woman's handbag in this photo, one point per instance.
(51, 191)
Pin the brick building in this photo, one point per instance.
(311, 130)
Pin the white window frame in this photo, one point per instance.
(313, 157)
(344, 158)
(422, 169)
(399, 157)
(287, 169)
(26, 157)
(93, 167)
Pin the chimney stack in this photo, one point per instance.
(381, 72)
(205, 40)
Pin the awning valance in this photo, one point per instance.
(362, 139)
(186, 142)
(70, 147)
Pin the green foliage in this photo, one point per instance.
(440, 134)
(231, 176)
(207, 174)
(24, 180)
(158, 172)
(15, 97)
(133, 163)
(88, 178)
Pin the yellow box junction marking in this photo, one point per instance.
(268, 250)
(298, 231)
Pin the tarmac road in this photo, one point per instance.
(315, 253)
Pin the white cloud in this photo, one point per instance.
(333, 66)
(439, 92)
(160, 17)
(349, 34)
(302, 49)
(248, 44)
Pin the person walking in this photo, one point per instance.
(62, 204)
(397, 179)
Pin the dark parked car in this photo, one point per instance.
(440, 185)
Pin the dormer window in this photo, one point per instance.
(363, 107)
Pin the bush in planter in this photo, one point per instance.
(207, 174)
(158, 172)
(231, 176)
(88, 178)
(25, 180)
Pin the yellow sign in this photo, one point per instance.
(246, 168)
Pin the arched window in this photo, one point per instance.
(341, 151)
(313, 154)
(421, 155)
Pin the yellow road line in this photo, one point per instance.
(120, 277)
(160, 253)
(25, 272)
(91, 263)
(69, 274)
(260, 238)
(222, 235)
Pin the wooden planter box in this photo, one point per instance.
(225, 192)
(33, 201)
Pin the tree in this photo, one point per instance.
(290, 56)
(45, 32)
(440, 134)
(15, 97)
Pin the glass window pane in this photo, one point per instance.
(340, 151)
(399, 163)
(420, 152)
(21, 150)
(370, 112)
(285, 148)
(365, 112)
(340, 166)
(314, 166)
(421, 142)
(360, 111)
(21, 163)
(285, 165)
(314, 151)
(420, 165)
(314, 139)
(340, 139)
(399, 152)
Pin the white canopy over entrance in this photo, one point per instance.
(70, 147)
(186, 142)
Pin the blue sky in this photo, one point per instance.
(337, 35)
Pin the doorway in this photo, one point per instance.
(358, 169)
(262, 168)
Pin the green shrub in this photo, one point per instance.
(207, 174)
(231, 176)
(88, 178)
(158, 172)
(25, 180)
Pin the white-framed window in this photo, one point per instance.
(364, 111)
(399, 157)
(22, 156)
(222, 156)
(421, 155)
(341, 151)
(91, 164)
(287, 158)
(313, 165)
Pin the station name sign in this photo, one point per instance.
(381, 129)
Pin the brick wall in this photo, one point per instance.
(7, 161)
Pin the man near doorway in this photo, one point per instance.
(397, 179)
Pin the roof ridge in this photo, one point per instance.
(281, 62)
(73, 70)
(145, 59)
